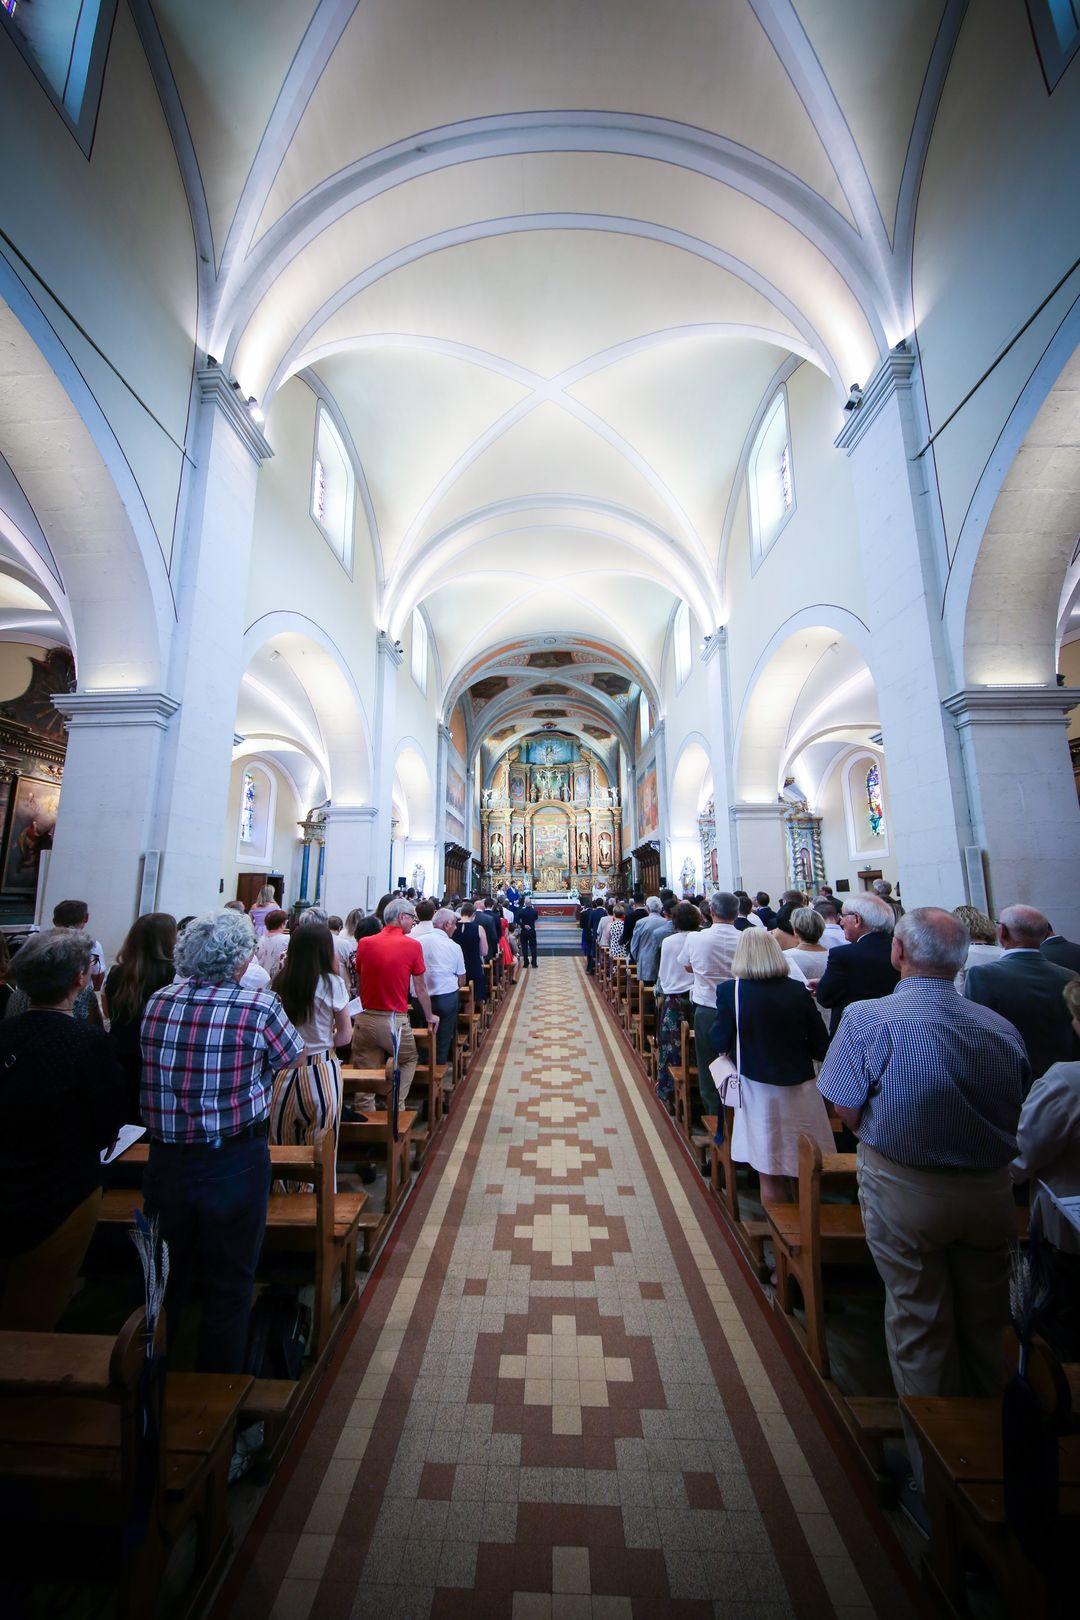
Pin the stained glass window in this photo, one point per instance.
(247, 810)
(875, 807)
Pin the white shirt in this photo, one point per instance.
(754, 920)
(345, 951)
(255, 976)
(979, 951)
(1048, 1148)
(444, 962)
(270, 951)
(318, 1030)
(672, 979)
(832, 935)
(603, 930)
(709, 955)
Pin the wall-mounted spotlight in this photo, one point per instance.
(854, 399)
(254, 411)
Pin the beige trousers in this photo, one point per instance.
(373, 1044)
(940, 1241)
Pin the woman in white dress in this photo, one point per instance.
(780, 1037)
(984, 945)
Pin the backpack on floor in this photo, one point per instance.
(278, 1334)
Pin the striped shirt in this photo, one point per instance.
(209, 1055)
(939, 1080)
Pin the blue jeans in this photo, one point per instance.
(211, 1204)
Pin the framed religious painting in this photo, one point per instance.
(30, 830)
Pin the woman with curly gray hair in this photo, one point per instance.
(210, 1050)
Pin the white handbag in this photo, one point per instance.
(727, 1075)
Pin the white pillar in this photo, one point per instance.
(928, 808)
(389, 657)
(107, 839)
(207, 659)
(442, 757)
(663, 831)
(349, 877)
(718, 731)
(762, 858)
(1026, 822)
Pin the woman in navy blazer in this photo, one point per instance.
(781, 1034)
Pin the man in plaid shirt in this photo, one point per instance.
(210, 1050)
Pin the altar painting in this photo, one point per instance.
(549, 751)
(455, 799)
(550, 846)
(647, 804)
(581, 782)
(32, 822)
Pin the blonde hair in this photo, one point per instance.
(977, 923)
(1071, 993)
(758, 956)
(807, 925)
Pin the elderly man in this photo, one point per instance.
(386, 963)
(708, 955)
(861, 969)
(1026, 988)
(210, 1050)
(932, 1085)
(648, 937)
(444, 964)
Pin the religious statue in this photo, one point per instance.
(613, 796)
(496, 852)
(605, 850)
(419, 878)
(517, 848)
(486, 797)
(688, 875)
(583, 851)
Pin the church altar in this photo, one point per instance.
(550, 819)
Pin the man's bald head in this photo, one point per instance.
(1022, 928)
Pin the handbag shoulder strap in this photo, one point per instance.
(738, 1038)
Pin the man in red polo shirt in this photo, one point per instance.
(386, 964)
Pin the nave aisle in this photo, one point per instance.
(564, 1398)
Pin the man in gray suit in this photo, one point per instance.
(1026, 988)
(1065, 952)
(649, 935)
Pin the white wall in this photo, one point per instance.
(286, 842)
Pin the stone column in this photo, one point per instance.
(1025, 819)
(718, 731)
(349, 877)
(207, 658)
(901, 565)
(663, 831)
(762, 862)
(107, 844)
(390, 656)
(442, 757)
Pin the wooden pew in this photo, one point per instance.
(751, 1234)
(810, 1235)
(378, 1131)
(429, 1084)
(644, 1025)
(77, 1461)
(323, 1223)
(628, 1006)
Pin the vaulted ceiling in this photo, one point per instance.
(547, 259)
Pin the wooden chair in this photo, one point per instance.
(323, 1223)
(75, 1453)
(810, 1235)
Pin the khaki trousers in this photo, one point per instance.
(373, 1044)
(36, 1286)
(940, 1241)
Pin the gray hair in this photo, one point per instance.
(312, 914)
(877, 915)
(934, 940)
(443, 916)
(47, 965)
(213, 946)
(1026, 924)
(654, 904)
(808, 924)
(883, 887)
(724, 907)
(398, 908)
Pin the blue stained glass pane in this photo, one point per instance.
(874, 804)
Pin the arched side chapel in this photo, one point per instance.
(366, 475)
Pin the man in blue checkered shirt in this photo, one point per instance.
(932, 1085)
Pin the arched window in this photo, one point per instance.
(419, 649)
(65, 44)
(333, 488)
(681, 640)
(1056, 26)
(875, 808)
(258, 811)
(864, 807)
(644, 717)
(771, 483)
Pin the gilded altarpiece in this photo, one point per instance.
(550, 819)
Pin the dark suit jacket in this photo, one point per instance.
(1026, 989)
(1062, 951)
(780, 1029)
(859, 972)
(490, 924)
(468, 936)
(528, 916)
(767, 915)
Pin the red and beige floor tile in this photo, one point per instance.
(564, 1397)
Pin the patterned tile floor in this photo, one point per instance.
(564, 1398)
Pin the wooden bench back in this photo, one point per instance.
(814, 1167)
